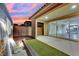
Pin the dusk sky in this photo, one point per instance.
(20, 12)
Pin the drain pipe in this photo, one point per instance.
(8, 49)
(9, 46)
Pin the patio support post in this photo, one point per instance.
(46, 28)
(34, 28)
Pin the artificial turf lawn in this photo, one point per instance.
(43, 49)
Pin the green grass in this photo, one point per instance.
(44, 49)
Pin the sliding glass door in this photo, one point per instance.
(66, 28)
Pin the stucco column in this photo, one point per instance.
(34, 28)
(46, 28)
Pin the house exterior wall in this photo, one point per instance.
(5, 31)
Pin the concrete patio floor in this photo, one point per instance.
(67, 46)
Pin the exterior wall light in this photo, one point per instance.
(74, 6)
(46, 17)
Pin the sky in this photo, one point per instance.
(20, 12)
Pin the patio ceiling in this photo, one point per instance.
(62, 12)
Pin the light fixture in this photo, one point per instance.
(74, 6)
(46, 17)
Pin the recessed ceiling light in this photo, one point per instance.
(74, 6)
(46, 17)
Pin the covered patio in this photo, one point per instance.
(55, 27)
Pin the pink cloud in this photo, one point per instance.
(9, 7)
(33, 6)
